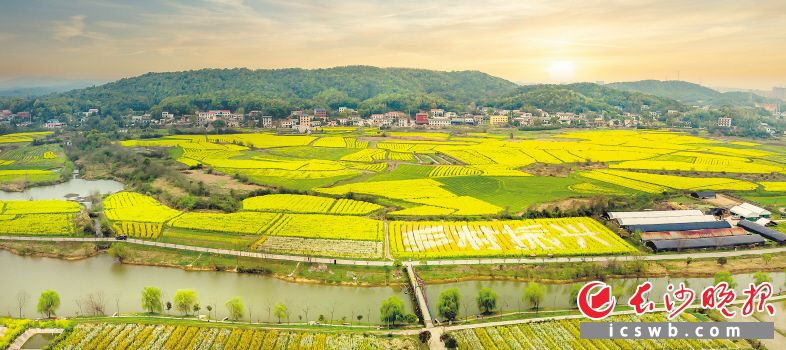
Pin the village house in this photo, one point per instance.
(421, 118)
(498, 120)
(266, 121)
(439, 121)
(53, 124)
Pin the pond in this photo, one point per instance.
(74, 189)
(39, 341)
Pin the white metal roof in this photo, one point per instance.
(763, 221)
(666, 220)
(755, 209)
(744, 212)
(654, 214)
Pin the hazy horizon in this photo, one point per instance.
(715, 44)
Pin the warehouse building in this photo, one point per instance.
(614, 215)
(687, 226)
(766, 232)
(684, 229)
(703, 243)
(706, 233)
(625, 222)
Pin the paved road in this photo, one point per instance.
(296, 258)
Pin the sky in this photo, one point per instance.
(713, 42)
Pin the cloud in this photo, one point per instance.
(74, 27)
(514, 40)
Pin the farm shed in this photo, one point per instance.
(680, 226)
(614, 215)
(704, 194)
(665, 220)
(749, 211)
(764, 231)
(707, 233)
(765, 222)
(697, 243)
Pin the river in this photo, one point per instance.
(121, 286)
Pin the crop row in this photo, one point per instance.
(37, 224)
(565, 334)
(624, 182)
(685, 183)
(320, 247)
(295, 203)
(453, 170)
(366, 155)
(170, 337)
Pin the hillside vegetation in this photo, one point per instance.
(690, 93)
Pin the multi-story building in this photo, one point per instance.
(266, 121)
(498, 120)
(724, 122)
(320, 113)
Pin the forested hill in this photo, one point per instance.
(277, 91)
(690, 93)
(586, 97)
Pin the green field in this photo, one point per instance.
(516, 193)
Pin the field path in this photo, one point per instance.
(337, 261)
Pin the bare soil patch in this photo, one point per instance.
(722, 201)
(220, 181)
(560, 170)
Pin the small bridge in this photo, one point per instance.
(418, 287)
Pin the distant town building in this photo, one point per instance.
(320, 113)
(724, 122)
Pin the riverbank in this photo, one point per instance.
(312, 273)
(370, 276)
